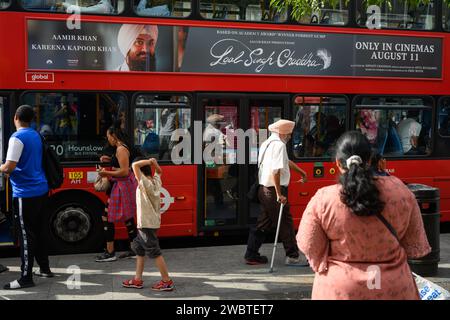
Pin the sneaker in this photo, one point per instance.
(299, 261)
(256, 260)
(133, 283)
(106, 257)
(17, 284)
(44, 274)
(163, 286)
(127, 254)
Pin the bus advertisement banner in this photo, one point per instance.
(152, 48)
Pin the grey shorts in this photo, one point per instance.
(146, 243)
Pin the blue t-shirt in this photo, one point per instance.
(28, 179)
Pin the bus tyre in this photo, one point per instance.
(75, 224)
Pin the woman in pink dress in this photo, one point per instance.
(353, 254)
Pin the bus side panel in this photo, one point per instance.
(320, 174)
(435, 173)
(179, 194)
(181, 198)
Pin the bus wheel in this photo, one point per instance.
(75, 224)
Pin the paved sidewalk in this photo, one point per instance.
(199, 273)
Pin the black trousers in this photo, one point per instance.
(31, 217)
(267, 223)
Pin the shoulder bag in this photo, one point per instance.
(252, 194)
(428, 290)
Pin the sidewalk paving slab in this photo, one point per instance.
(203, 273)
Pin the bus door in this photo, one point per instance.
(6, 236)
(233, 122)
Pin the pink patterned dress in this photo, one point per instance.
(357, 257)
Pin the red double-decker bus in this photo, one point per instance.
(174, 71)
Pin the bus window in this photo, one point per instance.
(444, 118)
(319, 121)
(75, 124)
(249, 10)
(110, 7)
(161, 122)
(4, 4)
(446, 15)
(162, 8)
(399, 14)
(395, 126)
(328, 15)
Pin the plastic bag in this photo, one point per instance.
(429, 290)
(101, 184)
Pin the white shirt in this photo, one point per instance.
(211, 134)
(103, 6)
(408, 128)
(148, 201)
(15, 148)
(275, 158)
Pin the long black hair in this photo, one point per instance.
(119, 133)
(116, 130)
(359, 191)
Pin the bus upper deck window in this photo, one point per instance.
(446, 15)
(107, 7)
(399, 14)
(243, 10)
(328, 15)
(162, 8)
(4, 4)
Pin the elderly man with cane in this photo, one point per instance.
(274, 176)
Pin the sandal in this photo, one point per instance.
(133, 283)
(17, 285)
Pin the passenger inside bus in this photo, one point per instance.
(153, 8)
(86, 6)
(409, 131)
(66, 118)
(167, 127)
(213, 135)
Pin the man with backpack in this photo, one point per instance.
(30, 192)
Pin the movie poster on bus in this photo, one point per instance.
(52, 45)
(215, 50)
(148, 48)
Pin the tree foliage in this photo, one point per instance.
(302, 8)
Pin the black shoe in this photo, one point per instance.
(44, 274)
(256, 260)
(127, 254)
(18, 284)
(106, 257)
(3, 268)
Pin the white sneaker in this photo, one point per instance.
(300, 261)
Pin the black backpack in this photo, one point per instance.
(51, 165)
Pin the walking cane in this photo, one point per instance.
(276, 237)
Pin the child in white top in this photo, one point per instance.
(148, 203)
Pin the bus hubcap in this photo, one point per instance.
(72, 224)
